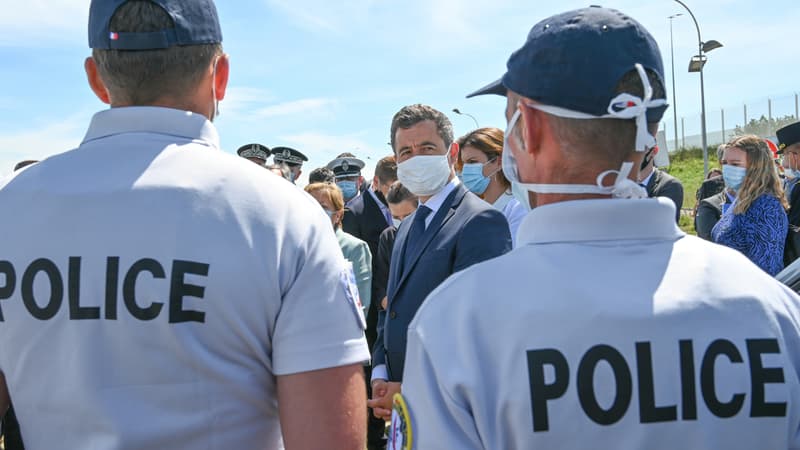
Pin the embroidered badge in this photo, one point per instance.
(347, 279)
(400, 435)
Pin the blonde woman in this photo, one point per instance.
(355, 250)
(755, 223)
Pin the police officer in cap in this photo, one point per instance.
(292, 158)
(256, 153)
(660, 341)
(347, 170)
(789, 147)
(186, 298)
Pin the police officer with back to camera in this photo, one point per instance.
(255, 153)
(661, 341)
(292, 158)
(171, 305)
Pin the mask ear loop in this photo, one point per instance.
(215, 108)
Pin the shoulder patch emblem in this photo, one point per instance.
(400, 435)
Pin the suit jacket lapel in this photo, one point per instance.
(444, 214)
(651, 185)
(397, 258)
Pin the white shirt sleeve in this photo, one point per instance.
(379, 373)
(437, 420)
(319, 326)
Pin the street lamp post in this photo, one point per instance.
(696, 65)
(674, 95)
(455, 110)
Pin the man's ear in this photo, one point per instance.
(95, 81)
(452, 153)
(222, 74)
(532, 129)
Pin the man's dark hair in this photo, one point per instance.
(398, 193)
(321, 175)
(411, 115)
(386, 170)
(614, 138)
(23, 164)
(140, 77)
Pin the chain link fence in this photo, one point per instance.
(761, 117)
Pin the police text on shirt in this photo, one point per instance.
(543, 391)
(45, 308)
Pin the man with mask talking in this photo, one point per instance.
(169, 287)
(451, 230)
(616, 330)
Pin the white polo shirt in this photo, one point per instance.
(606, 327)
(153, 287)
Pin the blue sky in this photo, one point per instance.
(327, 76)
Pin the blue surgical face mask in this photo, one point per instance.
(472, 176)
(733, 176)
(349, 189)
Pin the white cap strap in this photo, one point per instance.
(623, 106)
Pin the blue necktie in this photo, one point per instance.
(415, 234)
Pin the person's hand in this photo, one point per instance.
(382, 394)
(384, 302)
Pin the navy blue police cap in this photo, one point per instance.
(254, 151)
(576, 59)
(346, 166)
(788, 135)
(196, 22)
(288, 156)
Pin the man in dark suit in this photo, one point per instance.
(659, 183)
(451, 230)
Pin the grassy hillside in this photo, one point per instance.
(687, 166)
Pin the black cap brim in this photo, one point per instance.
(495, 88)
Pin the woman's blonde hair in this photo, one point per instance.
(332, 191)
(761, 176)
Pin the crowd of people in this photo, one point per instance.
(526, 288)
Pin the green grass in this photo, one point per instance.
(687, 166)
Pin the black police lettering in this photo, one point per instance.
(76, 311)
(10, 276)
(129, 288)
(541, 392)
(707, 386)
(648, 411)
(56, 289)
(112, 286)
(179, 288)
(720, 360)
(759, 376)
(143, 304)
(688, 381)
(622, 379)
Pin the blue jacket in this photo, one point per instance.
(759, 233)
(465, 230)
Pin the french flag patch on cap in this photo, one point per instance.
(113, 36)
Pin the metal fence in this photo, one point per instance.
(761, 117)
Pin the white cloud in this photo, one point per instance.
(296, 107)
(324, 15)
(42, 22)
(41, 141)
(240, 101)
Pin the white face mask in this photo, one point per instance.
(624, 106)
(424, 174)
